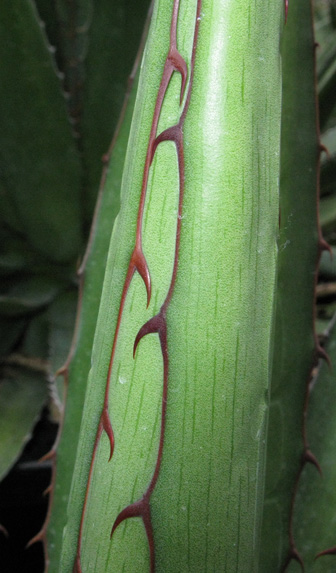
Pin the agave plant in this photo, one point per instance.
(198, 419)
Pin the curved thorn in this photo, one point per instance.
(286, 11)
(293, 554)
(107, 426)
(324, 246)
(36, 539)
(48, 456)
(297, 557)
(321, 353)
(61, 371)
(179, 64)
(331, 551)
(311, 459)
(173, 133)
(153, 325)
(47, 490)
(140, 263)
(136, 509)
(324, 149)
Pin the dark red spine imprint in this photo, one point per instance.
(157, 324)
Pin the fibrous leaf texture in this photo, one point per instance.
(172, 444)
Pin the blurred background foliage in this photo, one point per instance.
(63, 78)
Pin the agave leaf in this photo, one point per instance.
(93, 39)
(13, 330)
(328, 215)
(48, 15)
(21, 401)
(39, 165)
(219, 316)
(113, 39)
(314, 513)
(328, 265)
(328, 164)
(329, 141)
(326, 57)
(328, 176)
(18, 260)
(27, 295)
(92, 275)
(23, 390)
(324, 33)
(298, 255)
(15, 254)
(61, 321)
(74, 20)
(327, 88)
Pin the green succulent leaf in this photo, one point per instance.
(327, 267)
(48, 15)
(194, 377)
(92, 275)
(21, 400)
(11, 333)
(23, 390)
(39, 165)
(74, 19)
(61, 320)
(294, 345)
(28, 295)
(327, 87)
(328, 216)
(314, 514)
(113, 39)
(328, 164)
(326, 54)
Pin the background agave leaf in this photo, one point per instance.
(13, 330)
(61, 319)
(95, 42)
(113, 40)
(48, 15)
(314, 514)
(326, 58)
(39, 164)
(22, 395)
(298, 255)
(28, 295)
(328, 165)
(328, 216)
(74, 20)
(23, 373)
